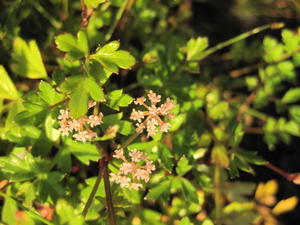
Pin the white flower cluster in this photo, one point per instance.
(139, 168)
(153, 122)
(80, 128)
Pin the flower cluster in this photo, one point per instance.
(80, 128)
(152, 122)
(132, 172)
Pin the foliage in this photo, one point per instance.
(69, 122)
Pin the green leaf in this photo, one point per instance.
(238, 135)
(116, 99)
(218, 111)
(189, 191)
(251, 157)
(48, 94)
(9, 209)
(196, 47)
(291, 41)
(75, 48)
(27, 60)
(185, 221)
(294, 112)
(165, 156)
(125, 127)
(83, 151)
(292, 95)
(67, 215)
(19, 166)
(48, 186)
(51, 133)
(98, 72)
(111, 59)
(162, 189)
(219, 155)
(7, 87)
(64, 161)
(93, 3)
(78, 103)
(94, 89)
(273, 50)
(183, 166)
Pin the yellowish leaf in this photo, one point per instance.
(285, 205)
(265, 192)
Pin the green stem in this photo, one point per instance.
(55, 23)
(94, 190)
(217, 192)
(257, 114)
(241, 37)
(109, 202)
(130, 139)
(32, 213)
(117, 19)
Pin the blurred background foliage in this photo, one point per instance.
(237, 107)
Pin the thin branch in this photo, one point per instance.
(109, 201)
(240, 37)
(116, 21)
(86, 13)
(217, 192)
(292, 177)
(95, 188)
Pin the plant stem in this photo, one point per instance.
(53, 21)
(129, 140)
(241, 37)
(94, 190)
(117, 19)
(217, 192)
(109, 202)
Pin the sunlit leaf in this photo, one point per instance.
(285, 205)
(27, 60)
(7, 88)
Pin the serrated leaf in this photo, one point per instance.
(189, 191)
(162, 189)
(7, 87)
(110, 47)
(292, 95)
(183, 166)
(94, 89)
(111, 59)
(48, 94)
(116, 99)
(27, 60)
(75, 48)
(196, 47)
